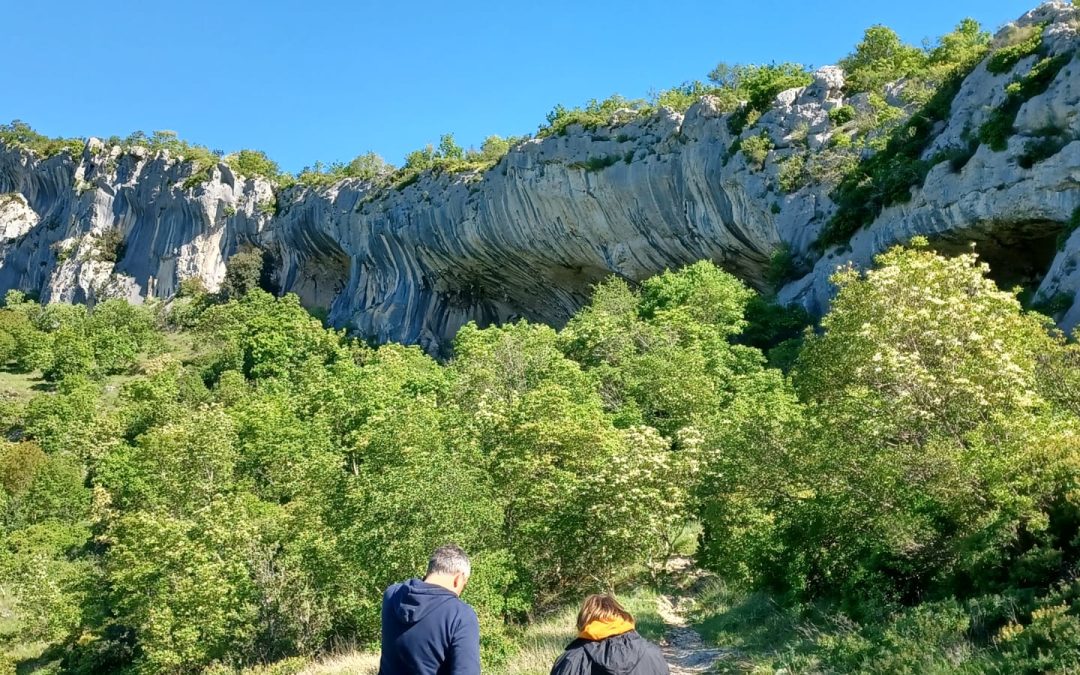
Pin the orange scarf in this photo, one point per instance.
(598, 630)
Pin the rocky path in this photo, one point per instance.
(683, 648)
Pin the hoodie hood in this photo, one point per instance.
(617, 655)
(415, 599)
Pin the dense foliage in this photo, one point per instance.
(247, 498)
(932, 77)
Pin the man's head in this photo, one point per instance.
(449, 567)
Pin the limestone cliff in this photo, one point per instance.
(529, 236)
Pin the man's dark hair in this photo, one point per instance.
(449, 559)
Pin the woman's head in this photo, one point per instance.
(601, 607)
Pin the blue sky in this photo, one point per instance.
(328, 80)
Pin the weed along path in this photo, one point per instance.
(682, 646)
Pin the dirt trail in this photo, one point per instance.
(683, 648)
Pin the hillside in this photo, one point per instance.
(779, 191)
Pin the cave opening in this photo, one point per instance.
(1019, 254)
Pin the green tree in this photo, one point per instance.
(880, 58)
(243, 273)
(254, 163)
(923, 391)
(493, 148)
(71, 354)
(449, 149)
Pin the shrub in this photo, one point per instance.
(494, 148)
(252, 163)
(594, 114)
(1055, 305)
(368, 166)
(268, 207)
(880, 58)
(781, 266)
(1026, 42)
(957, 157)
(842, 115)
(949, 391)
(758, 86)
(243, 273)
(1048, 142)
(1050, 643)
(688, 93)
(111, 245)
(756, 149)
(832, 165)
(71, 355)
(792, 173)
(998, 127)
(888, 176)
(20, 134)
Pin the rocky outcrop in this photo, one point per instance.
(554, 216)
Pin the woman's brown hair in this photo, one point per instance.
(601, 607)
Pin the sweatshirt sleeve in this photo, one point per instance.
(465, 647)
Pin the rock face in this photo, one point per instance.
(531, 235)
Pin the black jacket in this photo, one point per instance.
(427, 630)
(626, 654)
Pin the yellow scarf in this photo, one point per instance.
(598, 630)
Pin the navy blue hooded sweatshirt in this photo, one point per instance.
(427, 630)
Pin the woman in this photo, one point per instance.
(608, 644)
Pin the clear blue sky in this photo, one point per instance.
(321, 79)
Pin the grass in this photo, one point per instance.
(541, 643)
(538, 644)
(355, 663)
(22, 386)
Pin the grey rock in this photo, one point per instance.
(529, 237)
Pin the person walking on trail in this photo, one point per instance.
(607, 643)
(426, 628)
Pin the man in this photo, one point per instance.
(426, 628)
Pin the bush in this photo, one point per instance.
(759, 86)
(931, 531)
(880, 58)
(957, 157)
(254, 163)
(680, 98)
(111, 245)
(756, 150)
(888, 176)
(245, 271)
(70, 355)
(368, 167)
(595, 114)
(998, 127)
(842, 115)
(1048, 142)
(792, 174)
(781, 266)
(1025, 43)
(1055, 305)
(19, 134)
